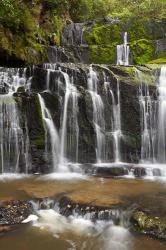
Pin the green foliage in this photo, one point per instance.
(103, 54)
(143, 51)
(27, 25)
(9, 13)
(142, 8)
(104, 34)
(158, 61)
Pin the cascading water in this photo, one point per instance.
(14, 143)
(123, 52)
(161, 145)
(67, 140)
(98, 114)
(115, 119)
(117, 133)
(66, 144)
(153, 120)
(148, 109)
(53, 134)
(71, 96)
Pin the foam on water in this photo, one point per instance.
(64, 176)
(111, 164)
(112, 237)
(11, 176)
(117, 238)
(55, 223)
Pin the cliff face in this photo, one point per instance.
(117, 102)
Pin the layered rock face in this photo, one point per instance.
(94, 110)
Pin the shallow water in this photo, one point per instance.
(54, 231)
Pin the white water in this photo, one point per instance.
(117, 133)
(161, 147)
(69, 131)
(70, 95)
(110, 236)
(65, 177)
(53, 133)
(148, 110)
(14, 143)
(153, 120)
(123, 52)
(116, 119)
(98, 114)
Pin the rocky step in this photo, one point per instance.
(119, 170)
(146, 218)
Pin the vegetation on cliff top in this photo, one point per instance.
(11, 12)
(27, 25)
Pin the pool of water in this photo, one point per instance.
(53, 231)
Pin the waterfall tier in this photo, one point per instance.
(123, 52)
(81, 114)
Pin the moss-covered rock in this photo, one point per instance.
(103, 54)
(151, 225)
(142, 50)
(158, 61)
(102, 41)
(103, 34)
(21, 89)
(142, 34)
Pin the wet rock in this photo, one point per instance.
(3, 90)
(21, 89)
(107, 171)
(139, 171)
(33, 124)
(156, 172)
(69, 207)
(148, 224)
(14, 212)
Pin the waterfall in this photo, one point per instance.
(14, 143)
(71, 98)
(53, 134)
(123, 52)
(68, 138)
(117, 133)
(87, 102)
(98, 114)
(115, 118)
(148, 112)
(161, 147)
(153, 120)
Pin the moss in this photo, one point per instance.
(139, 29)
(103, 35)
(129, 71)
(21, 89)
(39, 138)
(102, 54)
(150, 224)
(142, 51)
(39, 142)
(158, 61)
(24, 47)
